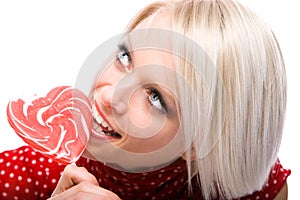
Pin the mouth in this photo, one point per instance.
(101, 128)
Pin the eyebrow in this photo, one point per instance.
(125, 45)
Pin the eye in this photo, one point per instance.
(155, 99)
(123, 58)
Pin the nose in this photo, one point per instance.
(108, 99)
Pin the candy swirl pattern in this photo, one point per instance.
(57, 125)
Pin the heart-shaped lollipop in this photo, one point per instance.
(57, 125)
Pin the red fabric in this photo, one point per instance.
(26, 174)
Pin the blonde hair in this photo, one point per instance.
(237, 122)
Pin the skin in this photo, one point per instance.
(77, 182)
(124, 100)
(283, 194)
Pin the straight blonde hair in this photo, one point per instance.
(235, 115)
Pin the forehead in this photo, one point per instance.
(152, 54)
(160, 19)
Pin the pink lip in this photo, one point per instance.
(98, 136)
(94, 133)
(100, 113)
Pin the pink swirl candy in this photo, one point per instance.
(57, 125)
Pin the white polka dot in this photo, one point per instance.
(45, 186)
(123, 173)
(267, 184)
(6, 185)
(14, 158)
(36, 193)
(33, 162)
(27, 190)
(152, 183)
(274, 171)
(40, 173)
(16, 198)
(257, 197)
(267, 195)
(2, 172)
(53, 180)
(33, 153)
(20, 178)
(282, 170)
(175, 183)
(275, 182)
(6, 154)
(175, 170)
(36, 183)
(21, 152)
(23, 169)
(147, 194)
(169, 178)
(29, 180)
(50, 160)
(11, 175)
(4, 194)
(27, 149)
(17, 188)
(21, 158)
(159, 175)
(16, 167)
(7, 164)
(41, 159)
(1, 160)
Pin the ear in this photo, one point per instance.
(192, 152)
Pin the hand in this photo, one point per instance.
(78, 183)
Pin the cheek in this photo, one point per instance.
(144, 120)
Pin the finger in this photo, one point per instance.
(86, 191)
(73, 175)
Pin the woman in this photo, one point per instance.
(192, 107)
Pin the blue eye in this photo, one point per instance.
(123, 58)
(155, 99)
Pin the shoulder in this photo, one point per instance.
(25, 171)
(276, 185)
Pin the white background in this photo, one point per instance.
(44, 43)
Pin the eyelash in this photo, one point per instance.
(123, 51)
(151, 91)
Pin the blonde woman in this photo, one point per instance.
(191, 107)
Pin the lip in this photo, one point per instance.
(95, 133)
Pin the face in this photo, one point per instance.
(134, 108)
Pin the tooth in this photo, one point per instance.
(109, 129)
(99, 119)
(105, 124)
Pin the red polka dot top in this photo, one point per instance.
(26, 174)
